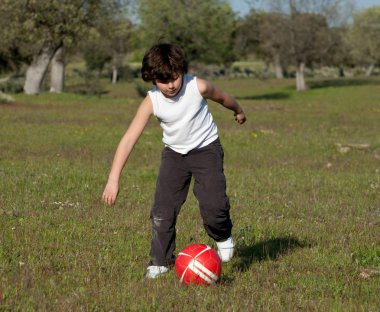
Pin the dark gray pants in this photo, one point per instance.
(176, 170)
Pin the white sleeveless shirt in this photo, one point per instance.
(185, 119)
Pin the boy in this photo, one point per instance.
(192, 149)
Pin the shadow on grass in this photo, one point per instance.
(267, 96)
(267, 250)
(342, 83)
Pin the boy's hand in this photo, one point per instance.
(240, 117)
(110, 192)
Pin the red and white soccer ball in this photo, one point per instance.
(198, 264)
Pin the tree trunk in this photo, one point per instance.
(278, 67)
(36, 71)
(341, 71)
(300, 77)
(370, 70)
(58, 71)
(114, 74)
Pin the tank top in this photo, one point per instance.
(186, 122)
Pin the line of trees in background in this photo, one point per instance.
(38, 36)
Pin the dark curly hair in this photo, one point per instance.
(163, 62)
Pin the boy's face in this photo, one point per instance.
(170, 88)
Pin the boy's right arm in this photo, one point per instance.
(124, 149)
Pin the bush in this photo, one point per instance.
(92, 85)
(125, 73)
(96, 60)
(142, 89)
(6, 98)
(12, 85)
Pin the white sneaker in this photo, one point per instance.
(155, 271)
(226, 249)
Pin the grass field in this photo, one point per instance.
(303, 177)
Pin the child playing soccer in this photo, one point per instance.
(192, 149)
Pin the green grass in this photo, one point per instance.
(306, 215)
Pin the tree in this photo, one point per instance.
(364, 38)
(307, 42)
(268, 35)
(11, 48)
(247, 35)
(337, 50)
(95, 52)
(274, 30)
(308, 38)
(203, 28)
(108, 45)
(45, 27)
(336, 12)
(284, 39)
(58, 71)
(118, 43)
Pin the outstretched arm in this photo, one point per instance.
(124, 149)
(209, 91)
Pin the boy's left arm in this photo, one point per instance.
(209, 91)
